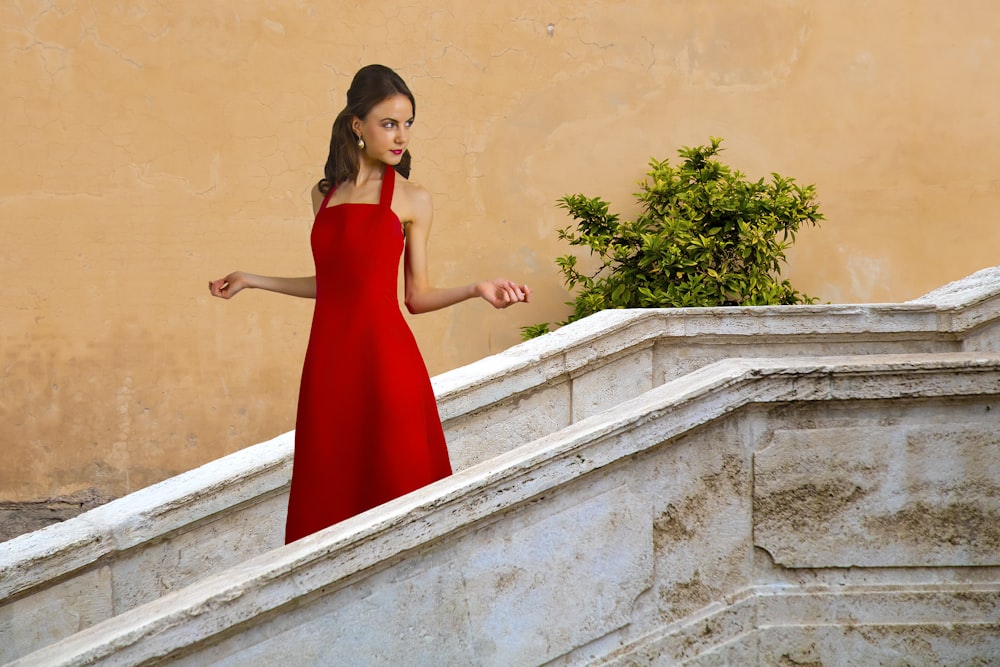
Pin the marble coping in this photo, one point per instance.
(955, 310)
(230, 601)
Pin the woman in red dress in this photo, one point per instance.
(367, 428)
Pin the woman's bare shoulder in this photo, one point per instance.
(317, 198)
(411, 189)
(412, 198)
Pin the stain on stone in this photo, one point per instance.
(669, 527)
(959, 524)
(808, 505)
(683, 597)
(791, 661)
(504, 581)
(981, 602)
(731, 478)
(679, 521)
(17, 518)
(934, 644)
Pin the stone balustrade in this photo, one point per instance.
(61, 580)
(755, 511)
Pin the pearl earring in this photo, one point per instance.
(361, 144)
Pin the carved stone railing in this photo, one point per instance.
(67, 577)
(760, 511)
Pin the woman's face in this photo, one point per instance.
(386, 129)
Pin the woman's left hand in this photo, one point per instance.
(502, 293)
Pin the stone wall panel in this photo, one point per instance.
(479, 436)
(930, 644)
(612, 381)
(29, 623)
(923, 494)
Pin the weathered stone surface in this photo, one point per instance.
(30, 623)
(597, 550)
(701, 521)
(630, 533)
(18, 518)
(147, 573)
(961, 603)
(891, 644)
(483, 601)
(965, 294)
(913, 494)
(473, 438)
(692, 470)
(718, 636)
(612, 381)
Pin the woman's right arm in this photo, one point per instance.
(237, 281)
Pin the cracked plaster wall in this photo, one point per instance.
(150, 147)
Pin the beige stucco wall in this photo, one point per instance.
(150, 147)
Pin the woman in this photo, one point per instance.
(367, 428)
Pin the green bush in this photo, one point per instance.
(706, 236)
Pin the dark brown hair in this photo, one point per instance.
(371, 85)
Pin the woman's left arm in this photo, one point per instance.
(421, 297)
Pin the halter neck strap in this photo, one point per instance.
(326, 199)
(388, 185)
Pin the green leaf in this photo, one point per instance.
(706, 235)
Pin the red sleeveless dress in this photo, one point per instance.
(367, 428)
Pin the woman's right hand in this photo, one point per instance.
(229, 286)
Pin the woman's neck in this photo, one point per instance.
(369, 170)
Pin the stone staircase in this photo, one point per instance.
(711, 486)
